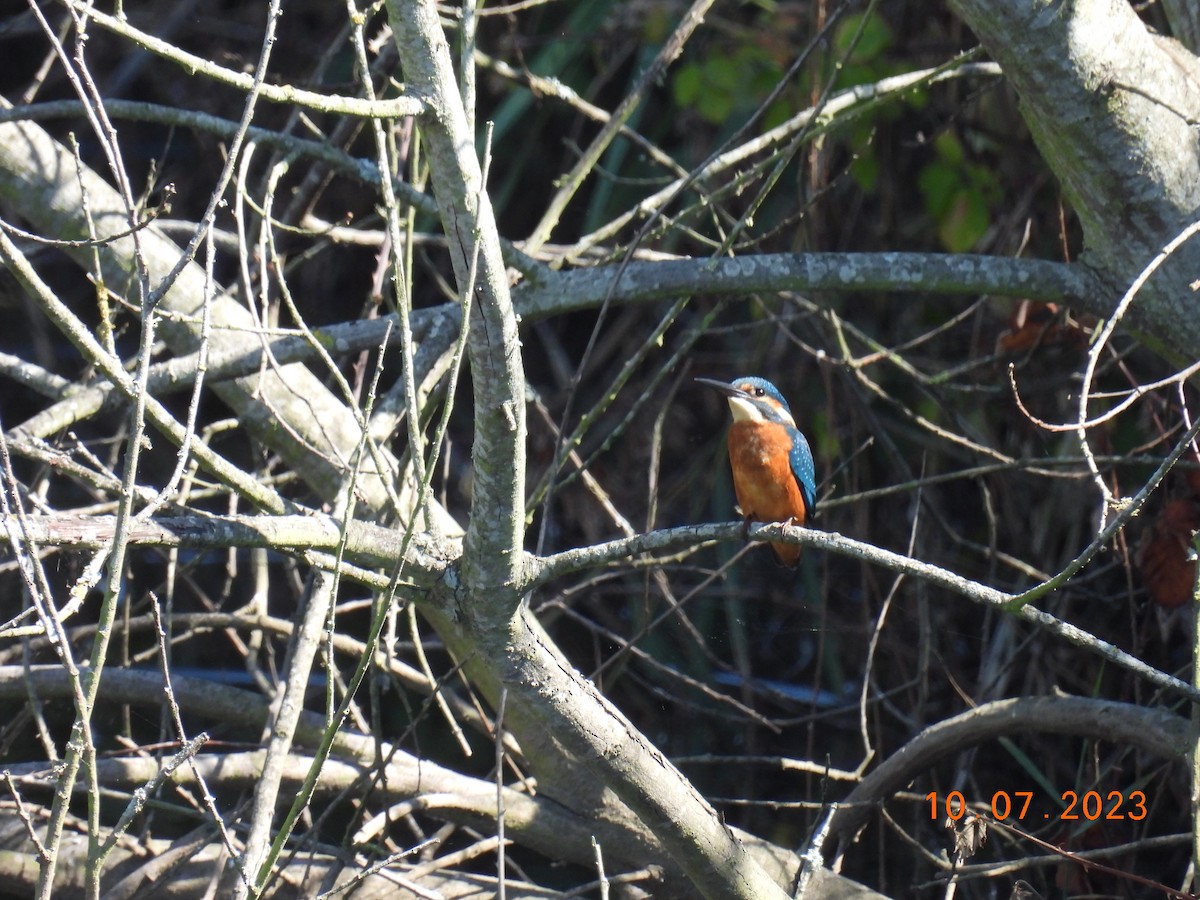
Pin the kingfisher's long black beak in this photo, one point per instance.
(727, 389)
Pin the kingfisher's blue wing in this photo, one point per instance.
(801, 460)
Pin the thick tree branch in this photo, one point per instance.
(919, 273)
(366, 544)
(287, 408)
(495, 534)
(1113, 110)
(555, 293)
(547, 694)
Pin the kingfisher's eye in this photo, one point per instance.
(759, 392)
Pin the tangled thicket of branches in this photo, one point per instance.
(367, 535)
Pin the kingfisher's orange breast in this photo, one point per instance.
(766, 488)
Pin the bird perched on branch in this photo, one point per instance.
(773, 473)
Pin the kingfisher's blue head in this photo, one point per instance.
(753, 399)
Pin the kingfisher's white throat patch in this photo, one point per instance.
(746, 410)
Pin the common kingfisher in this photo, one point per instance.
(773, 473)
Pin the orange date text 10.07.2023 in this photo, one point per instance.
(1090, 805)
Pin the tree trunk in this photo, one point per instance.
(1113, 110)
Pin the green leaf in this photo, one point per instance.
(875, 39)
(865, 169)
(687, 84)
(949, 149)
(965, 221)
(938, 184)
